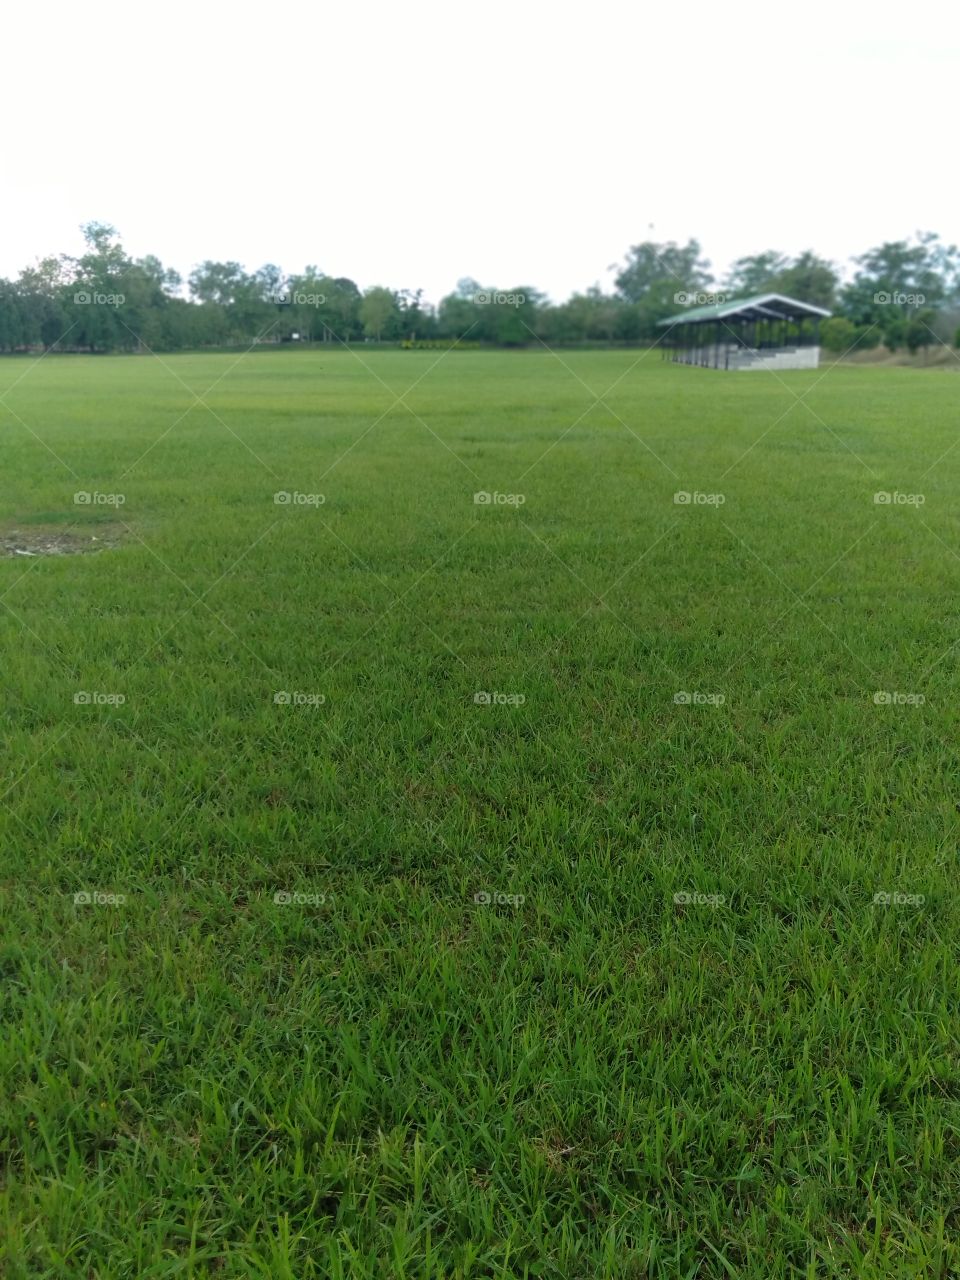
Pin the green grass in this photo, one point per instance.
(393, 1080)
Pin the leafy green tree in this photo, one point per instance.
(303, 314)
(165, 279)
(599, 314)
(809, 278)
(655, 274)
(754, 274)
(894, 281)
(944, 261)
(147, 287)
(558, 325)
(414, 318)
(507, 317)
(342, 308)
(895, 333)
(895, 270)
(45, 304)
(248, 301)
(11, 319)
(102, 272)
(513, 315)
(377, 310)
(651, 266)
(105, 262)
(593, 316)
(458, 314)
(217, 282)
(838, 334)
(919, 332)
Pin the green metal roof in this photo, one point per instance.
(761, 306)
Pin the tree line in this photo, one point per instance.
(902, 293)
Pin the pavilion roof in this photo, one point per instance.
(762, 306)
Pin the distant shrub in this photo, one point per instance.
(867, 337)
(920, 334)
(837, 334)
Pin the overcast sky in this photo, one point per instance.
(521, 143)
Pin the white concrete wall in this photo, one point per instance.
(778, 358)
(743, 358)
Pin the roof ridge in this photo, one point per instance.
(731, 307)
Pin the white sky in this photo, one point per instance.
(522, 143)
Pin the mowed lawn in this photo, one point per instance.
(377, 980)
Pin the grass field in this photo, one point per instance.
(283, 1038)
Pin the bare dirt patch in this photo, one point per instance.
(37, 541)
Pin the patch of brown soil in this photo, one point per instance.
(38, 541)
